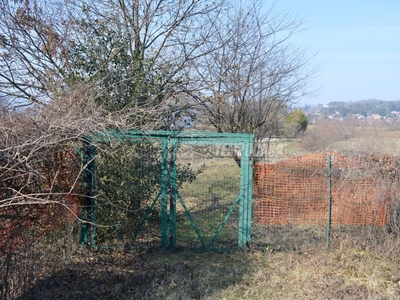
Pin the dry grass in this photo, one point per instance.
(366, 139)
(343, 272)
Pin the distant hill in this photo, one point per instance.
(362, 107)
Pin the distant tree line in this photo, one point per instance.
(363, 107)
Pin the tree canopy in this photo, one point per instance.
(230, 63)
(296, 123)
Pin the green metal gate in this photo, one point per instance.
(223, 203)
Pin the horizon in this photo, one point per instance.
(302, 105)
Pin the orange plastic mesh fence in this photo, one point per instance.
(39, 200)
(296, 191)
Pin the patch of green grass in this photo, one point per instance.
(208, 200)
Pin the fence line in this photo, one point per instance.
(295, 191)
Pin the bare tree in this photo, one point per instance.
(248, 84)
(34, 38)
(137, 53)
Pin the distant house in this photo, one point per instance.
(375, 117)
(395, 113)
(389, 120)
(359, 116)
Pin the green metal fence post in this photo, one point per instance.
(164, 193)
(89, 209)
(245, 209)
(328, 230)
(93, 210)
(249, 190)
(84, 227)
(172, 199)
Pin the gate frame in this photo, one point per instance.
(170, 141)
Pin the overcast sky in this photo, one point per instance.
(357, 44)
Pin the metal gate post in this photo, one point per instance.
(89, 204)
(164, 193)
(246, 195)
(93, 210)
(173, 192)
(249, 189)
